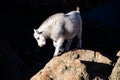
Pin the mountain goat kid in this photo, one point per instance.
(60, 27)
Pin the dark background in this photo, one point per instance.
(21, 58)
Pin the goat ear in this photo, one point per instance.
(37, 31)
(34, 30)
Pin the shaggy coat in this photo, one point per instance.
(60, 27)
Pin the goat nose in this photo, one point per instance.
(39, 44)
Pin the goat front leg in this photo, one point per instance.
(58, 46)
(55, 43)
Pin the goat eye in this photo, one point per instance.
(39, 32)
(38, 38)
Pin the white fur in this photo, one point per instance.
(60, 27)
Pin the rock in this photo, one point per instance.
(115, 75)
(70, 66)
(62, 68)
(89, 55)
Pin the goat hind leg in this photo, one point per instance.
(79, 44)
(67, 47)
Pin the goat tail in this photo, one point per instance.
(77, 9)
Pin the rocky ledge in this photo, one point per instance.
(78, 65)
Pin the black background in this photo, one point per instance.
(18, 18)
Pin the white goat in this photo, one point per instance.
(60, 27)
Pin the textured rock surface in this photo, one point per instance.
(62, 68)
(115, 75)
(75, 65)
(88, 55)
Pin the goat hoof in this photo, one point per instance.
(55, 55)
